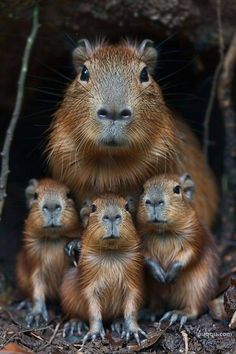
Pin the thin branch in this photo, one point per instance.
(220, 30)
(217, 72)
(51, 339)
(17, 109)
(207, 118)
(229, 115)
(185, 338)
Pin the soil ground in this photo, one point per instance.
(203, 335)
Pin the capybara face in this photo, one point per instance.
(107, 221)
(165, 200)
(111, 95)
(52, 206)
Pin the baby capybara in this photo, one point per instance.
(179, 251)
(107, 284)
(51, 223)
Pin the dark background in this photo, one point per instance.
(188, 55)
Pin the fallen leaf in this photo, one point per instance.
(13, 348)
(217, 309)
(153, 337)
(230, 298)
(232, 324)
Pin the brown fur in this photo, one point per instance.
(156, 141)
(42, 260)
(108, 281)
(182, 239)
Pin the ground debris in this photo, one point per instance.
(230, 298)
(204, 335)
(13, 348)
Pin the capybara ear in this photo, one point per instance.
(188, 186)
(81, 53)
(30, 192)
(85, 211)
(148, 53)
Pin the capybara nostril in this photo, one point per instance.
(160, 202)
(106, 218)
(45, 208)
(102, 113)
(125, 114)
(51, 207)
(58, 207)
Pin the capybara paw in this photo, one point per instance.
(72, 247)
(177, 316)
(93, 335)
(133, 330)
(159, 275)
(37, 317)
(173, 272)
(156, 270)
(24, 305)
(118, 326)
(74, 328)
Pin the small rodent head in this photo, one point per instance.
(108, 221)
(51, 205)
(111, 101)
(165, 201)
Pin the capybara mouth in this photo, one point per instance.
(110, 237)
(111, 143)
(157, 221)
(53, 226)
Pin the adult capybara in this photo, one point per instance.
(114, 130)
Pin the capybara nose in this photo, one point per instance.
(160, 203)
(117, 219)
(51, 207)
(124, 114)
(113, 219)
(103, 113)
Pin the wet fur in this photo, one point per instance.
(157, 142)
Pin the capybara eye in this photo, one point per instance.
(148, 202)
(36, 196)
(94, 208)
(144, 75)
(176, 189)
(70, 195)
(84, 76)
(127, 206)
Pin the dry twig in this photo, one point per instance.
(206, 132)
(185, 338)
(17, 109)
(229, 115)
(51, 339)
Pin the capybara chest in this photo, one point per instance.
(54, 262)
